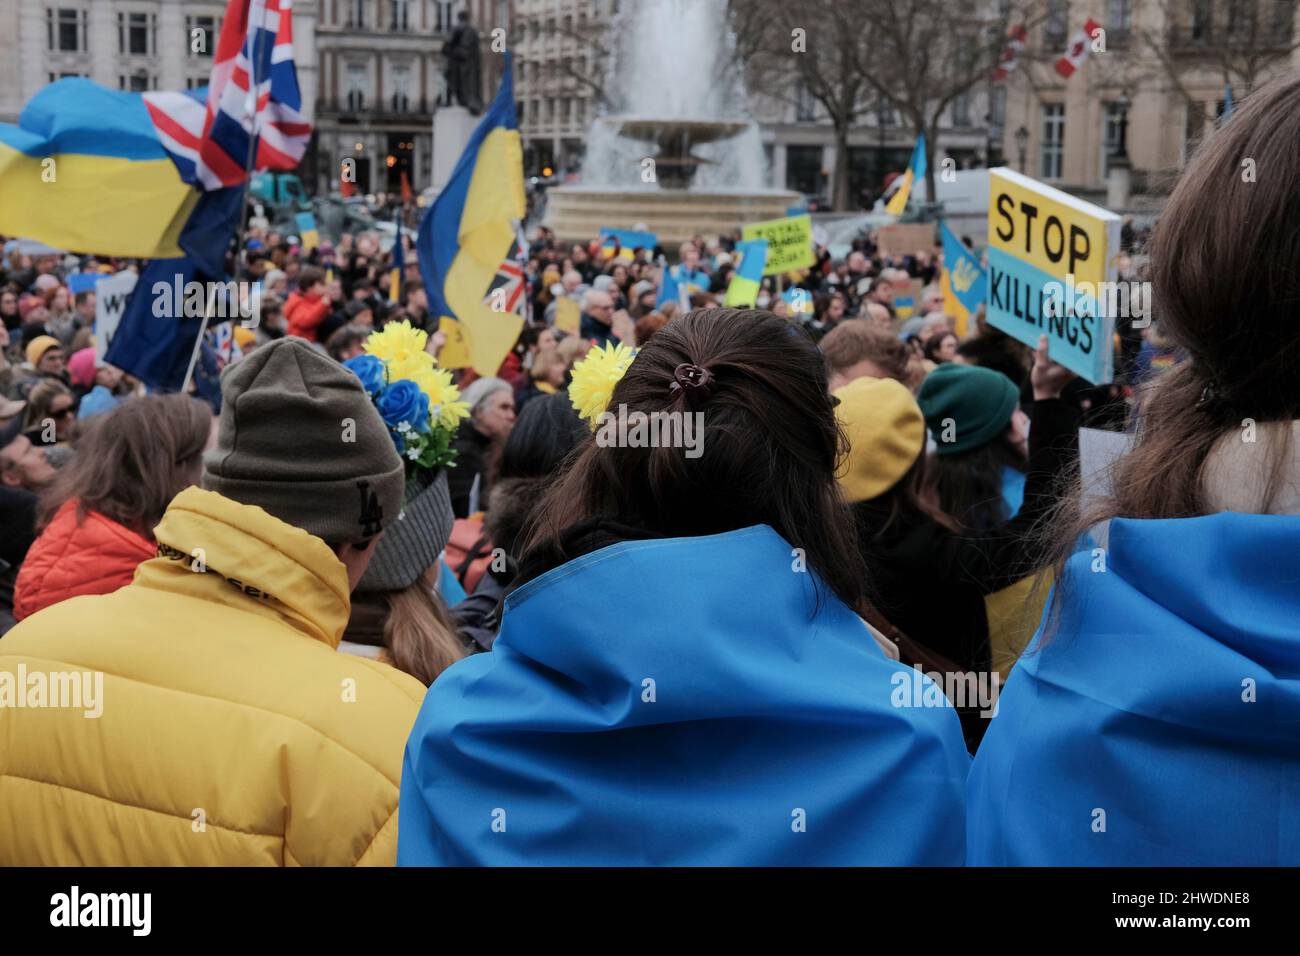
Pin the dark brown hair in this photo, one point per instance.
(854, 340)
(132, 461)
(1225, 263)
(771, 445)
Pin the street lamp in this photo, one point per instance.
(1022, 143)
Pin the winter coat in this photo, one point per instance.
(304, 314)
(709, 708)
(231, 731)
(71, 557)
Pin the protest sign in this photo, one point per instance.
(111, 294)
(905, 238)
(906, 302)
(568, 317)
(789, 243)
(308, 234)
(1051, 261)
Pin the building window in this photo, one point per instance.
(1112, 122)
(135, 83)
(135, 34)
(194, 82)
(208, 26)
(1240, 18)
(356, 14)
(1057, 25)
(401, 88)
(1119, 19)
(805, 107)
(886, 115)
(355, 84)
(1053, 147)
(961, 109)
(803, 169)
(998, 106)
(1193, 127)
(550, 109)
(66, 30)
(444, 19)
(1198, 26)
(401, 19)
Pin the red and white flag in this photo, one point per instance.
(1078, 50)
(1009, 58)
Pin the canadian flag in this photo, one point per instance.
(1009, 58)
(1078, 49)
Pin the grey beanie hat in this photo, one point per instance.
(413, 542)
(299, 437)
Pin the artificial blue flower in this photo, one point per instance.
(370, 370)
(404, 401)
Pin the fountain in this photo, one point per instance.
(677, 153)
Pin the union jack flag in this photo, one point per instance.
(253, 92)
(506, 291)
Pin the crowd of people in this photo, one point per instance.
(319, 646)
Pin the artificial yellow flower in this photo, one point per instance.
(594, 379)
(445, 407)
(397, 343)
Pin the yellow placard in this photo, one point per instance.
(455, 351)
(789, 243)
(568, 317)
(1048, 229)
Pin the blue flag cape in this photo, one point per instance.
(1166, 707)
(680, 701)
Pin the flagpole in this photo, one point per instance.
(241, 236)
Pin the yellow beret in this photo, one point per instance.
(886, 434)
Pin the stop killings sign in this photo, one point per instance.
(1052, 270)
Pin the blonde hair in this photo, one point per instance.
(419, 634)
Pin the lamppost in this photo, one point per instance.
(1022, 144)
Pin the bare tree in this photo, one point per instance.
(1241, 42)
(917, 56)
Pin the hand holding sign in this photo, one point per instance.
(1047, 377)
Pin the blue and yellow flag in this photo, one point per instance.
(915, 172)
(964, 282)
(743, 289)
(625, 242)
(84, 170)
(466, 236)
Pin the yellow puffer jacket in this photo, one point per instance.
(232, 732)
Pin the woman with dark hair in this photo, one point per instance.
(98, 515)
(977, 471)
(683, 674)
(932, 579)
(1155, 721)
(941, 348)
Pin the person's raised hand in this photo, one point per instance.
(1047, 377)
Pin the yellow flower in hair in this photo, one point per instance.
(594, 379)
(399, 345)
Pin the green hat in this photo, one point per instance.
(966, 406)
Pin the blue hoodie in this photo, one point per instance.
(680, 701)
(1160, 725)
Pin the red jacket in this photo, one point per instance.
(304, 314)
(68, 560)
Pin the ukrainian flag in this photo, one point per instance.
(915, 172)
(465, 237)
(743, 288)
(84, 171)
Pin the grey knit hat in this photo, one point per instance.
(413, 542)
(299, 437)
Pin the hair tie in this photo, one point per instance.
(694, 381)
